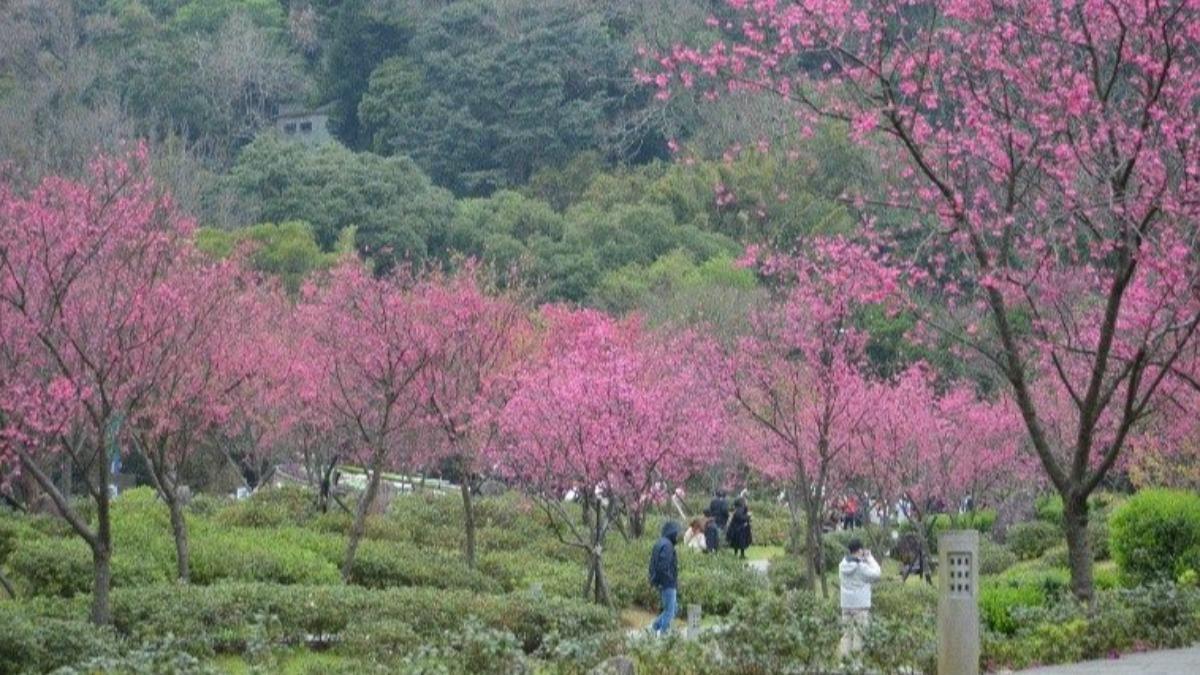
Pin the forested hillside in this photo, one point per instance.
(512, 131)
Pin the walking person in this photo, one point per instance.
(739, 535)
(664, 574)
(856, 573)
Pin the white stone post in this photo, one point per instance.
(958, 603)
(693, 621)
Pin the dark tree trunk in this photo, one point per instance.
(180, 530)
(1079, 550)
(795, 528)
(637, 523)
(102, 581)
(596, 580)
(813, 564)
(102, 546)
(469, 518)
(360, 518)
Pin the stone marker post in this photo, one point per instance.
(958, 603)
(693, 624)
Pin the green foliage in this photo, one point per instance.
(1156, 616)
(894, 599)
(164, 656)
(472, 648)
(994, 558)
(287, 250)
(398, 213)
(361, 35)
(272, 507)
(383, 564)
(257, 555)
(787, 573)
(1030, 540)
(481, 107)
(206, 16)
(794, 632)
(901, 644)
(42, 644)
(1156, 535)
(52, 567)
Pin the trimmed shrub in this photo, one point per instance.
(53, 567)
(794, 632)
(899, 600)
(41, 644)
(994, 558)
(383, 564)
(1031, 540)
(228, 617)
(787, 573)
(1156, 535)
(271, 507)
(257, 555)
(1056, 557)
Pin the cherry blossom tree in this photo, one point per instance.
(373, 338)
(922, 449)
(1049, 151)
(481, 340)
(801, 378)
(84, 279)
(212, 353)
(610, 411)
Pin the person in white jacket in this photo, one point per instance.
(857, 572)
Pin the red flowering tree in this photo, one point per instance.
(202, 315)
(801, 378)
(924, 451)
(85, 299)
(610, 411)
(373, 339)
(481, 340)
(1049, 150)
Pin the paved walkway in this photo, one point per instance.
(1170, 662)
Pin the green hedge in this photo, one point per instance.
(1032, 539)
(380, 564)
(1151, 617)
(221, 617)
(1156, 535)
(44, 644)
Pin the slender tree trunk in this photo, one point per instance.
(102, 548)
(469, 518)
(360, 517)
(1079, 550)
(180, 530)
(795, 528)
(584, 504)
(8, 589)
(812, 547)
(637, 522)
(596, 559)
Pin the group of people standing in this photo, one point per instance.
(702, 535)
(705, 534)
(857, 572)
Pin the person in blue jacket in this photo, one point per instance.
(664, 575)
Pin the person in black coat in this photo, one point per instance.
(712, 534)
(664, 575)
(719, 509)
(739, 535)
